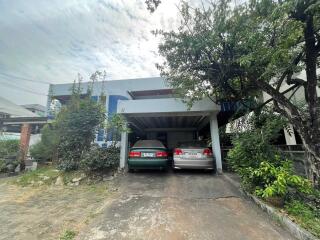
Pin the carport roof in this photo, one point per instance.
(167, 123)
(166, 107)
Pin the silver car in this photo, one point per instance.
(193, 155)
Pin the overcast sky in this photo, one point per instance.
(53, 40)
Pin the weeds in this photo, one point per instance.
(68, 235)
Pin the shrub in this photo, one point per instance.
(3, 166)
(77, 124)
(277, 180)
(262, 168)
(46, 149)
(9, 148)
(101, 159)
(68, 235)
(9, 153)
(305, 215)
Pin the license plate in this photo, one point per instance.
(193, 155)
(147, 154)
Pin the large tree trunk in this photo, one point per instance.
(309, 133)
(312, 135)
(312, 159)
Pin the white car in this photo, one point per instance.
(193, 155)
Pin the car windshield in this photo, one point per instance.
(148, 144)
(192, 144)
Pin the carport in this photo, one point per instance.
(173, 118)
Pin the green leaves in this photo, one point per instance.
(77, 125)
(263, 169)
(100, 159)
(276, 179)
(253, 41)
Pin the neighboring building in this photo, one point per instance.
(152, 112)
(38, 109)
(9, 109)
(297, 98)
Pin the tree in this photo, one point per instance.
(152, 5)
(233, 53)
(77, 124)
(47, 148)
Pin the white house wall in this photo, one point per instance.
(113, 87)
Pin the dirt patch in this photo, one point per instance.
(46, 212)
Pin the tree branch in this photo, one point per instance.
(284, 92)
(288, 70)
(293, 113)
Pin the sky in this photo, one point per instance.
(51, 41)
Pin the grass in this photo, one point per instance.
(45, 176)
(305, 216)
(41, 176)
(68, 235)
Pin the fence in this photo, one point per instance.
(293, 152)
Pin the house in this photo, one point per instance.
(297, 97)
(10, 109)
(152, 112)
(38, 109)
(16, 122)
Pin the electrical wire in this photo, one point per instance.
(10, 76)
(10, 85)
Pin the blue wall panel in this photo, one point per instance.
(112, 109)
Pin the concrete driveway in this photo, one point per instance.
(185, 205)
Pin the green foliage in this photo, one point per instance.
(101, 159)
(9, 148)
(276, 179)
(47, 148)
(68, 235)
(223, 50)
(70, 136)
(234, 52)
(305, 215)
(77, 124)
(262, 168)
(3, 166)
(117, 124)
(46, 175)
(9, 154)
(252, 146)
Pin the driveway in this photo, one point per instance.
(186, 205)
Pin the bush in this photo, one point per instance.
(46, 149)
(305, 215)
(77, 124)
(9, 153)
(277, 180)
(68, 235)
(9, 148)
(262, 168)
(101, 159)
(3, 166)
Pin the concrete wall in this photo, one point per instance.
(175, 137)
(113, 87)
